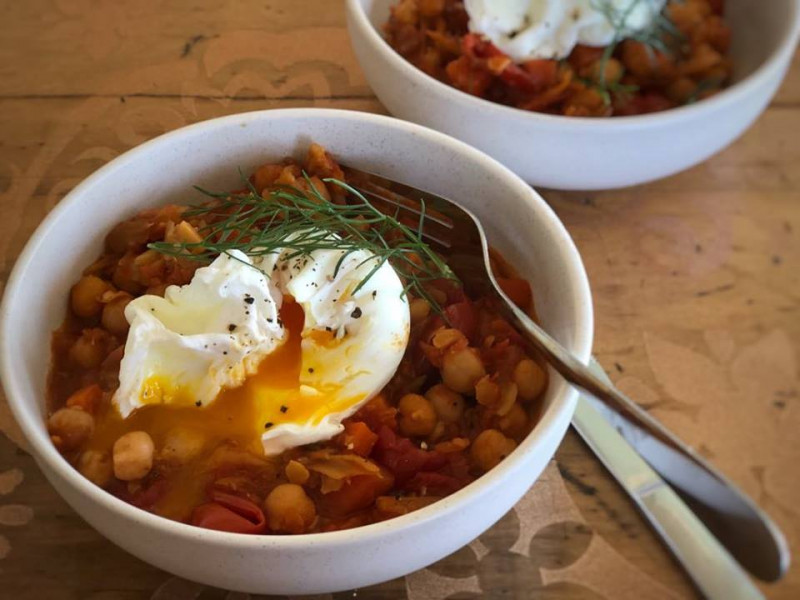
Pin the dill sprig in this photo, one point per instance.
(297, 223)
(606, 89)
(662, 36)
(657, 36)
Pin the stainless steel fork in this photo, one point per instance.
(735, 520)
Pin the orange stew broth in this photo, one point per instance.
(208, 467)
(636, 79)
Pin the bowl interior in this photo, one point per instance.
(210, 154)
(758, 28)
(758, 31)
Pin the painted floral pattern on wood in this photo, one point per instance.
(695, 281)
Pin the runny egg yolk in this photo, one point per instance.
(273, 396)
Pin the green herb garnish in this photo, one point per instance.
(661, 36)
(298, 223)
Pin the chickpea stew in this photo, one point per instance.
(465, 390)
(681, 60)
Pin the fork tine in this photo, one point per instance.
(426, 232)
(453, 229)
(386, 196)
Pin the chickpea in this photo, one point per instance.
(607, 72)
(320, 163)
(296, 472)
(181, 445)
(586, 103)
(417, 415)
(96, 467)
(89, 350)
(489, 448)
(457, 444)
(703, 58)
(445, 338)
(681, 90)
(265, 175)
(687, 15)
(514, 423)
(487, 392)
(70, 427)
(646, 63)
(461, 370)
(320, 187)
(133, 455)
(85, 295)
(431, 8)
(439, 431)
(419, 310)
(449, 405)
(288, 175)
(508, 396)
(113, 318)
(157, 290)
(128, 235)
(406, 12)
(531, 379)
(289, 509)
(125, 275)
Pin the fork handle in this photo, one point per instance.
(744, 529)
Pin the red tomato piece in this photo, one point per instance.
(462, 316)
(543, 73)
(583, 56)
(357, 493)
(482, 51)
(358, 438)
(648, 102)
(144, 498)
(458, 466)
(434, 484)
(468, 77)
(87, 398)
(377, 413)
(227, 512)
(453, 290)
(402, 457)
(475, 46)
(502, 357)
(533, 78)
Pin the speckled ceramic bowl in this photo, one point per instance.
(518, 222)
(582, 153)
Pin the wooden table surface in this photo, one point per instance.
(696, 284)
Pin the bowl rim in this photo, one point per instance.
(47, 455)
(729, 95)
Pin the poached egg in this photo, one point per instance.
(550, 29)
(286, 343)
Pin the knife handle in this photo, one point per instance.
(709, 565)
(715, 573)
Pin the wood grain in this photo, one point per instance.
(696, 283)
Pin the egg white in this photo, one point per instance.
(550, 29)
(371, 328)
(213, 333)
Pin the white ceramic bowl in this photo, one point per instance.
(518, 222)
(583, 153)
